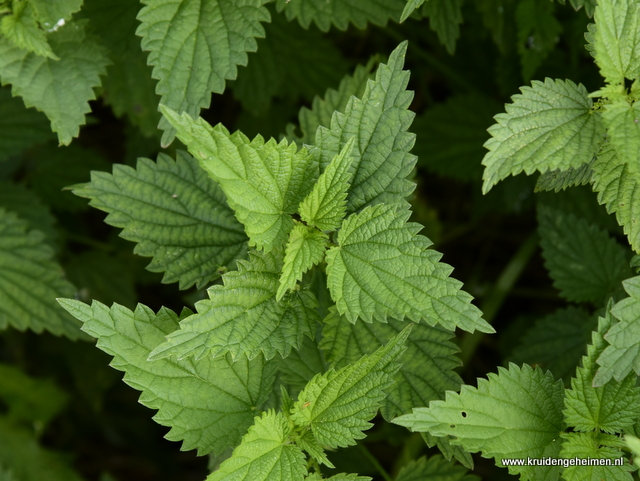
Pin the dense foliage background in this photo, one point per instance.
(466, 60)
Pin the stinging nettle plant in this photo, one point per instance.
(325, 305)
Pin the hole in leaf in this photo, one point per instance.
(452, 426)
(464, 414)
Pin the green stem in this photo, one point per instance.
(376, 464)
(495, 299)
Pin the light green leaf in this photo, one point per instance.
(309, 443)
(434, 468)
(623, 130)
(623, 353)
(30, 280)
(59, 88)
(448, 451)
(558, 180)
(195, 46)
(549, 126)
(557, 342)
(450, 135)
(538, 33)
(409, 8)
(243, 317)
(264, 182)
(613, 407)
(175, 213)
(280, 67)
(337, 405)
(305, 249)
(266, 453)
(21, 29)
(427, 366)
(208, 404)
(585, 263)
(616, 39)
(498, 417)
(341, 12)
(618, 188)
(379, 123)
(20, 128)
(445, 17)
(593, 446)
(322, 109)
(326, 205)
(21, 454)
(30, 399)
(382, 267)
(51, 13)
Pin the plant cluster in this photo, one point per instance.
(314, 302)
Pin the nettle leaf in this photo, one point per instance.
(623, 130)
(280, 67)
(59, 88)
(305, 249)
(265, 453)
(30, 280)
(195, 46)
(208, 404)
(618, 188)
(337, 405)
(434, 468)
(558, 180)
(585, 263)
(616, 39)
(21, 454)
(322, 109)
(623, 353)
(593, 446)
(382, 267)
(176, 214)
(341, 12)
(450, 135)
(264, 182)
(21, 29)
(538, 31)
(445, 17)
(20, 128)
(613, 407)
(549, 126)
(379, 123)
(557, 342)
(243, 316)
(498, 417)
(326, 204)
(426, 368)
